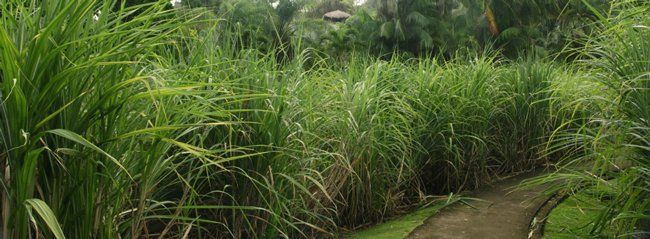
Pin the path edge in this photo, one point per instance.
(538, 222)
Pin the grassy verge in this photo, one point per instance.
(574, 217)
(400, 227)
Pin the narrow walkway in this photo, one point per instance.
(503, 214)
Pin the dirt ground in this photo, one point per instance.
(500, 213)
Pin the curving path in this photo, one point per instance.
(500, 213)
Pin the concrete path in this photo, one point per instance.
(503, 214)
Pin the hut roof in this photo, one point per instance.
(337, 15)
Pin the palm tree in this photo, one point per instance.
(422, 26)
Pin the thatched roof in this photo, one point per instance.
(336, 15)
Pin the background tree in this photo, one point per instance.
(540, 24)
(211, 4)
(422, 26)
(140, 5)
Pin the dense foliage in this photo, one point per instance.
(418, 27)
(252, 119)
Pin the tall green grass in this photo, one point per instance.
(158, 123)
(610, 148)
(97, 141)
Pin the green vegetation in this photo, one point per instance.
(245, 120)
(614, 143)
(400, 227)
(575, 216)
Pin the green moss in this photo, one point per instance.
(399, 227)
(575, 217)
